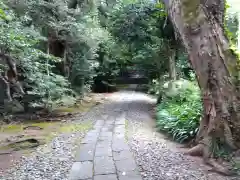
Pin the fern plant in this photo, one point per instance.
(178, 115)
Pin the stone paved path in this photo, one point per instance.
(104, 153)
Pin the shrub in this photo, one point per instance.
(155, 87)
(41, 85)
(179, 113)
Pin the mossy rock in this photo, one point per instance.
(23, 143)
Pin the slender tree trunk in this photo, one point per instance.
(217, 72)
(238, 32)
(66, 62)
(172, 65)
(158, 66)
(48, 74)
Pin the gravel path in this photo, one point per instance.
(156, 157)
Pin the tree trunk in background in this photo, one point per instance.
(216, 69)
(9, 77)
(58, 48)
(72, 4)
(9, 83)
(238, 32)
(172, 65)
(66, 63)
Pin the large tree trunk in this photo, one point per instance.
(216, 68)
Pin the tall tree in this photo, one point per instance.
(200, 26)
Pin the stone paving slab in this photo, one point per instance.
(122, 155)
(108, 128)
(104, 144)
(110, 122)
(86, 153)
(104, 165)
(126, 165)
(120, 146)
(81, 170)
(106, 177)
(99, 123)
(104, 153)
(132, 176)
(120, 128)
(94, 132)
(106, 134)
(89, 139)
(105, 138)
(120, 121)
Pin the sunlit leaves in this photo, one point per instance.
(161, 10)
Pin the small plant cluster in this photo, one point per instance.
(179, 112)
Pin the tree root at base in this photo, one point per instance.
(199, 150)
(218, 168)
(196, 150)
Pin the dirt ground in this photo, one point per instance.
(17, 139)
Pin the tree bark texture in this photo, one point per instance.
(9, 78)
(216, 68)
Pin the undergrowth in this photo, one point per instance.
(179, 112)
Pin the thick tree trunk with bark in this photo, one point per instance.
(216, 68)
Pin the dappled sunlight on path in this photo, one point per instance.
(130, 96)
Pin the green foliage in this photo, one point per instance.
(231, 27)
(47, 38)
(146, 34)
(35, 67)
(80, 31)
(155, 87)
(179, 113)
(108, 59)
(231, 19)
